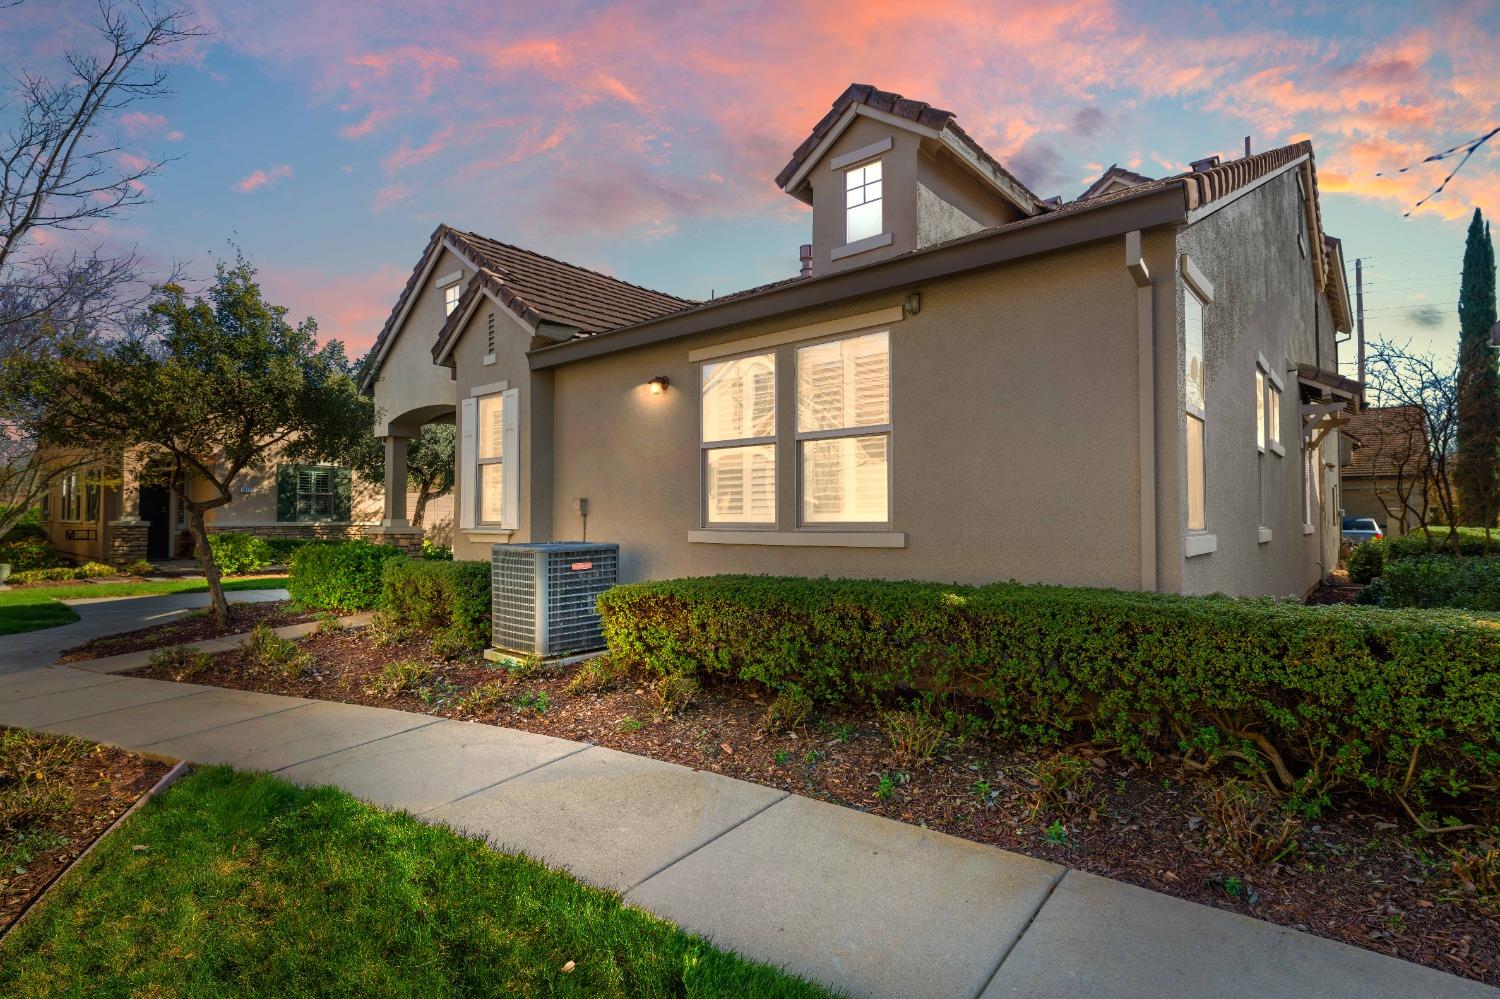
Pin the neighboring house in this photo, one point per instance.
(966, 382)
(1384, 477)
(122, 513)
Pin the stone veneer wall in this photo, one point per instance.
(408, 540)
(127, 543)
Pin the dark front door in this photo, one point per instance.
(156, 510)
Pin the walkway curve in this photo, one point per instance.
(98, 617)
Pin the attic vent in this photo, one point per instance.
(490, 342)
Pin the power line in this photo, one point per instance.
(1468, 148)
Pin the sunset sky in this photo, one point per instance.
(329, 138)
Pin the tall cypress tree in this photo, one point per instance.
(1477, 467)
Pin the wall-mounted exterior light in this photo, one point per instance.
(913, 303)
(659, 384)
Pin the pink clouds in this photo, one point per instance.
(614, 118)
(259, 178)
(348, 307)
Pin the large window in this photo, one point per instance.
(862, 194)
(314, 494)
(71, 505)
(489, 449)
(844, 431)
(308, 493)
(739, 441)
(1196, 385)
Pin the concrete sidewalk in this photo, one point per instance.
(109, 616)
(865, 904)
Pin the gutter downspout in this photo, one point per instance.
(1145, 325)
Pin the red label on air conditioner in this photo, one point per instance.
(580, 566)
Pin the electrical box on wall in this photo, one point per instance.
(581, 506)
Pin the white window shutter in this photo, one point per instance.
(468, 470)
(511, 515)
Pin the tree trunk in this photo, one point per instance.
(210, 568)
(421, 506)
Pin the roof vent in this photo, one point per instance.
(805, 253)
(1053, 202)
(1207, 163)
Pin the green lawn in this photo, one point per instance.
(27, 609)
(248, 886)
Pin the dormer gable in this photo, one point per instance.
(886, 175)
(1116, 178)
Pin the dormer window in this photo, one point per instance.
(863, 217)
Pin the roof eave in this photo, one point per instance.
(1160, 206)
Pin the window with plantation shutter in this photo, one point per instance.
(738, 439)
(844, 430)
(311, 493)
(496, 446)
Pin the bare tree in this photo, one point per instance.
(1397, 451)
(60, 174)
(1398, 376)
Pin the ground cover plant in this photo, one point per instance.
(31, 608)
(243, 885)
(1362, 872)
(56, 796)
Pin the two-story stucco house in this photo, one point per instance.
(965, 382)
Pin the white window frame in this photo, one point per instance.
(1199, 533)
(509, 460)
(451, 294)
(705, 447)
(70, 506)
(873, 430)
(863, 187)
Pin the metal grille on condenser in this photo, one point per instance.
(565, 578)
(513, 581)
(573, 621)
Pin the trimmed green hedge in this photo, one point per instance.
(1400, 703)
(343, 576)
(1369, 558)
(449, 600)
(1437, 581)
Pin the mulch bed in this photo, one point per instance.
(1359, 876)
(196, 627)
(97, 784)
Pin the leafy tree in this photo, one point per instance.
(59, 174)
(209, 387)
(1477, 465)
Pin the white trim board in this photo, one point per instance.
(803, 539)
(832, 327)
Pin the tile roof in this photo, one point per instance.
(565, 293)
(1115, 172)
(920, 112)
(534, 286)
(1392, 440)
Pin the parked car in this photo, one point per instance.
(1357, 529)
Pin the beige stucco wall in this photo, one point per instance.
(898, 192)
(408, 379)
(1014, 446)
(510, 367)
(1264, 303)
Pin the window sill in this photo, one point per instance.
(1279, 451)
(1199, 544)
(1265, 535)
(488, 532)
(860, 246)
(805, 539)
(1308, 529)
